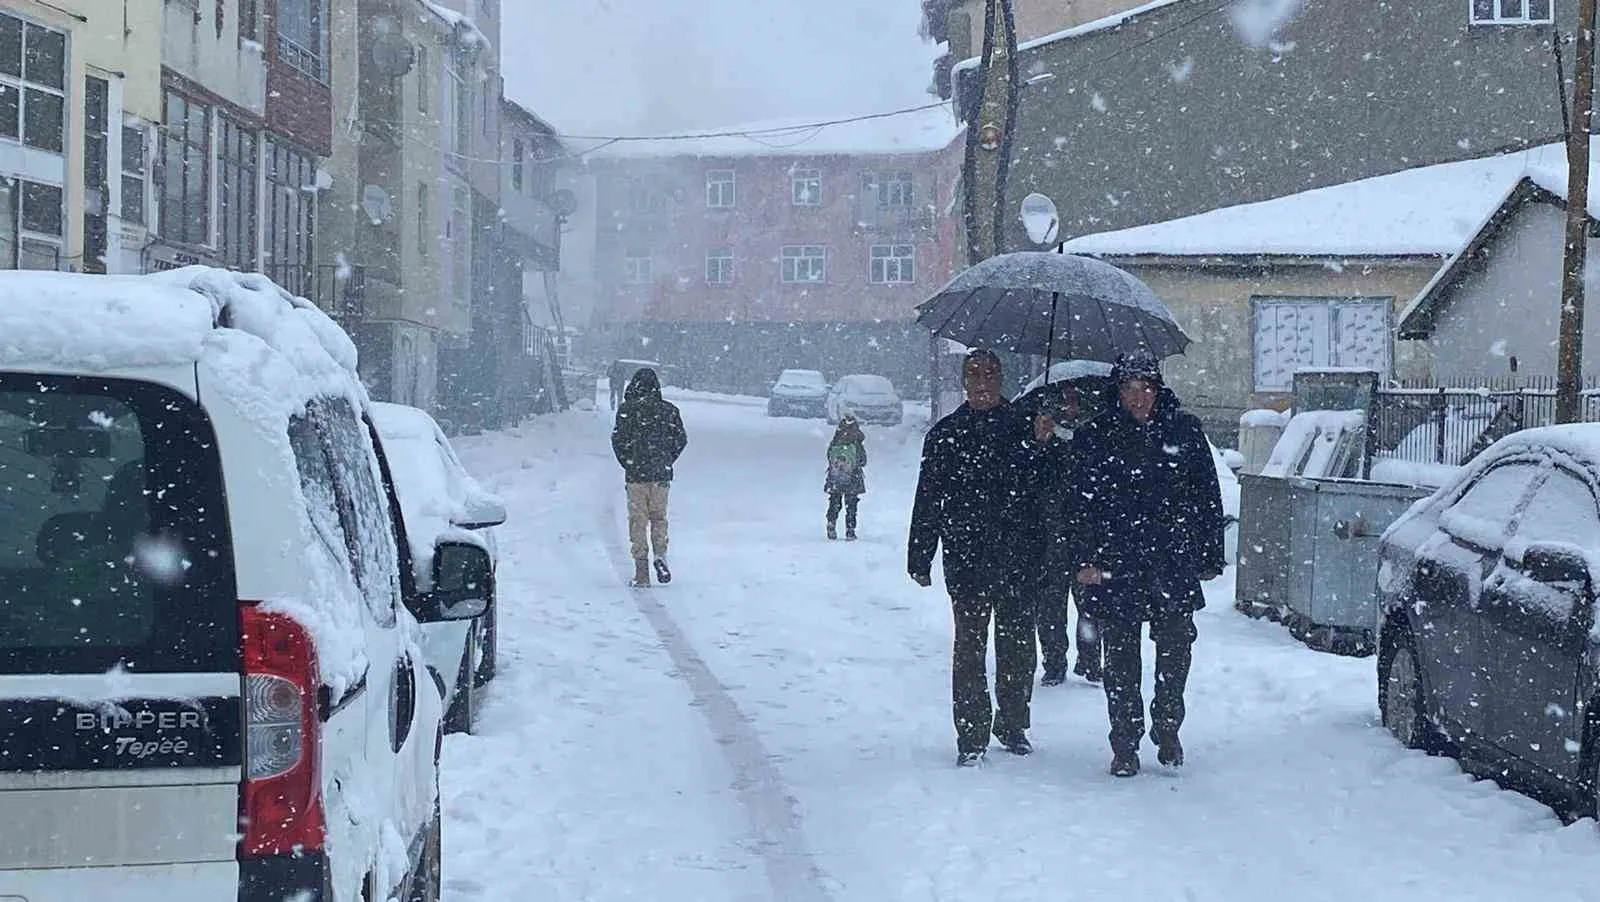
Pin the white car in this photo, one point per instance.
(210, 686)
(871, 398)
(440, 501)
(798, 393)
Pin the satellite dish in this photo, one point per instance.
(563, 202)
(392, 55)
(376, 204)
(1039, 219)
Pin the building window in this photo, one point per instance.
(33, 70)
(719, 266)
(719, 188)
(237, 168)
(133, 174)
(517, 153)
(31, 218)
(302, 35)
(1513, 12)
(185, 160)
(250, 20)
(459, 113)
(889, 189)
(425, 241)
(894, 264)
(424, 78)
(461, 243)
(805, 263)
(806, 185)
(636, 267)
(648, 195)
(1313, 333)
(96, 171)
(291, 223)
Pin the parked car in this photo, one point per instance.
(801, 393)
(1487, 647)
(871, 398)
(440, 501)
(210, 687)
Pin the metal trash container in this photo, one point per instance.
(1313, 555)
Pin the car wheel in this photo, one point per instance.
(463, 709)
(488, 644)
(1400, 699)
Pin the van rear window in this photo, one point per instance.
(114, 547)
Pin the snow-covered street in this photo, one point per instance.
(775, 724)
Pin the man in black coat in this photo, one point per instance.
(647, 440)
(971, 498)
(1055, 426)
(1148, 532)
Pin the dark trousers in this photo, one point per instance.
(1173, 633)
(849, 502)
(1012, 615)
(1054, 638)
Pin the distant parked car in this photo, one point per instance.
(802, 393)
(871, 398)
(1487, 647)
(440, 500)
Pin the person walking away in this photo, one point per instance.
(1149, 533)
(615, 377)
(975, 469)
(846, 481)
(647, 439)
(1055, 428)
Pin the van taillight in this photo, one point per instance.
(280, 808)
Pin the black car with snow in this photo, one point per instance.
(1488, 650)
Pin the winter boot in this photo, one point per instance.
(1169, 751)
(663, 575)
(850, 534)
(833, 532)
(1125, 764)
(1054, 676)
(1015, 742)
(1090, 673)
(641, 575)
(969, 759)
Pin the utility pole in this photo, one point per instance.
(1569, 353)
(993, 118)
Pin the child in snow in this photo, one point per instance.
(846, 481)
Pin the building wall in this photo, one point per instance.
(1215, 377)
(1509, 305)
(195, 47)
(1172, 114)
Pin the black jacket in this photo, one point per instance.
(1149, 505)
(649, 433)
(972, 498)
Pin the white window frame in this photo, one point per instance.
(1261, 303)
(637, 268)
(21, 85)
(803, 264)
(805, 187)
(137, 134)
(1511, 12)
(719, 266)
(892, 264)
(895, 189)
(721, 188)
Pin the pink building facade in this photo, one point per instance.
(733, 264)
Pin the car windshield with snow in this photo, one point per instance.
(872, 399)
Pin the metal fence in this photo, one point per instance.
(1450, 424)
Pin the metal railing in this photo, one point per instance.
(1450, 424)
(338, 290)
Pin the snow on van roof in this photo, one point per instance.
(99, 322)
(912, 132)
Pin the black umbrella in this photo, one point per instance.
(1059, 306)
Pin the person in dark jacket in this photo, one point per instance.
(1149, 531)
(647, 439)
(846, 481)
(1056, 426)
(976, 470)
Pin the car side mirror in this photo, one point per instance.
(480, 512)
(463, 580)
(1557, 566)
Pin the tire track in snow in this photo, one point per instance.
(792, 870)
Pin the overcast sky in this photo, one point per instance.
(667, 65)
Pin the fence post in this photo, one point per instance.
(1439, 419)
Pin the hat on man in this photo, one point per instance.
(1137, 366)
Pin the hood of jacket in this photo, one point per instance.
(644, 386)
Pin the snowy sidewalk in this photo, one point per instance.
(775, 724)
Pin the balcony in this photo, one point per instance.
(341, 291)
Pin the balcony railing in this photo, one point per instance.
(300, 57)
(341, 291)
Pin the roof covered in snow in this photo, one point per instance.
(1427, 211)
(1101, 24)
(102, 322)
(458, 21)
(920, 131)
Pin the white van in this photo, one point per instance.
(210, 688)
